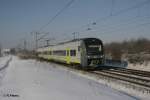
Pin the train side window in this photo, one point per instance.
(72, 52)
(64, 52)
(59, 52)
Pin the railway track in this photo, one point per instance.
(132, 72)
(137, 79)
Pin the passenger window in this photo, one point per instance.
(72, 52)
(59, 52)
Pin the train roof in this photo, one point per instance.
(74, 40)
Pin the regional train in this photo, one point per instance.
(86, 52)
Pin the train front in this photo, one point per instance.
(92, 52)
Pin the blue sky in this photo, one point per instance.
(18, 18)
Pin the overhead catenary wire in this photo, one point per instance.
(136, 6)
(128, 23)
(125, 22)
(126, 28)
(122, 11)
(57, 14)
(139, 5)
(49, 22)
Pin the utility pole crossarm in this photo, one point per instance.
(37, 38)
(42, 37)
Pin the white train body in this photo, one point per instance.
(81, 51)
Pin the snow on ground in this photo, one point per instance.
(124, 64)
(32, 80)
(3, 60)
(145, 66)
(3, 63)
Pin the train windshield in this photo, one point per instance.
(93, 46)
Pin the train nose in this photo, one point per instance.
(95, 60)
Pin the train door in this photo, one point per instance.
(83, 55)
(68, 56)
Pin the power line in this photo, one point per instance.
(49, 22)
(44, 35)
(139, 5)
(58, 13)
(123, 11)
(124, 28)
(126, 22)
(127, 28)
(117, 13)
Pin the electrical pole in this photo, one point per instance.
(74, 33)
(25, 44)
(47, 42)
(0, 50)
(35, 34)
(37, 38)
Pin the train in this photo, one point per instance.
(85, 52)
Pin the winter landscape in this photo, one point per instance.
(33, 80)
(74, 50)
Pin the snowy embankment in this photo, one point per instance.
(145, 66)
(4, 61)
(32, 80)
(124, 64)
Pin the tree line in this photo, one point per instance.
(128, 48)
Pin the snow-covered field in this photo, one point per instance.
(32, 80)
(145, 66)
(3, 60)
(3, 63)
(124, 64)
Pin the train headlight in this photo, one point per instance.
(95, 56)
(88, 56)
